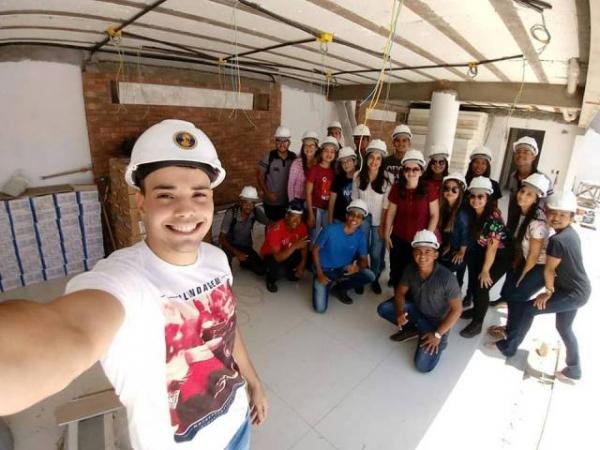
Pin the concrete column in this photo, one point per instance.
(443, 117)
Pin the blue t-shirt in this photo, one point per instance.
(338, 249)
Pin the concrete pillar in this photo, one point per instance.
(443, 117)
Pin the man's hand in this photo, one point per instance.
(352, 268)
(402, 319)
(388, 243)
(323, 279)
(430, 343)
(485, 280)
(541, 300)
(300, 243)
(271, 196)
(258, 404)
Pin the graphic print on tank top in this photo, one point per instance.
(202, 376)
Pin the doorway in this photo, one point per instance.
(508, 165)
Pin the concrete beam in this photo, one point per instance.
(554, 95)
(591, 98)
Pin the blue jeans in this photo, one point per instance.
(320, 222)
(241, 438)
(376, 246)
(565, 304)
(424, 362)
(531, 284)
(320, 292)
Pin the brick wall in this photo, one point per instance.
(239, 143)
(381, 129)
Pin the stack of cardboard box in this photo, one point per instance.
(125, 219)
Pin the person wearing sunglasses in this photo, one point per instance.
(454, 224)
(488, 259)
(372, 185)
(412, 207)
(526, 276)
(437, 168)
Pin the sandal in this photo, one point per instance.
(497, 332)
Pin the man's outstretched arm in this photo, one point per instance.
(43, 347)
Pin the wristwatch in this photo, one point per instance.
(437, 335)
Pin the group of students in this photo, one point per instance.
(347, 205)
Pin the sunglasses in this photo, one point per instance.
(411, 169)
(452, 189)
(477, 196)
(439, 162)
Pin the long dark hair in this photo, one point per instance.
(448, 213)
(305, 159)
(378, 183)
(470, 174)
(535, 213)
(428, 175)
(476, 223)
(421, 190)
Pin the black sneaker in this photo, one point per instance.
(467, 302)
(376, 287)
(471, 330)
(271, 286)
(497, 302)
(467, 314)
(360, 290)
(344, 298)
(405, 334)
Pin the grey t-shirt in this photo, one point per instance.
(570, 273)
(238, 231)
(276, 172)
(431, 295)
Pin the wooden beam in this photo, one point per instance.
(470, 91)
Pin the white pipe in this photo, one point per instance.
(443, 118)
(573, 72)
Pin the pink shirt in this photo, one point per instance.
(296, 181)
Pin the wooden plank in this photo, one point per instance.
(86, 407)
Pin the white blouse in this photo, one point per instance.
(375, 201)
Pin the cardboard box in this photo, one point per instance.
(66, 199)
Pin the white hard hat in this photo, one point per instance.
(176, 141)
(311, 135)
(481, 151)
(282, 133)
(334, 124)
(456, 177)
(249, 193)
(361, 130)
(346, 152)
(377, 145)
(414, 156)
(481, 184)
(330, 140)
(539, 182)
(438, 150)
(402, 129)
(527, 141)
(562, 201)
(425, 238)
(359, 204)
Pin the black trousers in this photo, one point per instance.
(276, 270)
(254, 262)
(274, 212)
(400, 257)
(481, 295)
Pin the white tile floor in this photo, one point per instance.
(335, 381)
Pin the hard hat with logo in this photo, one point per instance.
(459, 178)
(346, 152)
(539, 182)
(334, 124)
(481, 184)
(331, 141)
(358, 205)
(311, 135)
(439, 150)
(425, 238)
(175, 141)
(361, 130)
(377, 145)
(402, 129)
(481, 151)
(562, 201)
(527, 141)
(282, 133)
(414, 156)
(249, 193)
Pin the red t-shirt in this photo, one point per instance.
(434, 186)
(412, 213)
(322, 180)
(279, 237)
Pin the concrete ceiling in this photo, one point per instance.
(429, 35)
